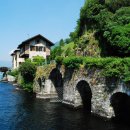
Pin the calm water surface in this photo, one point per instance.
(22, 111)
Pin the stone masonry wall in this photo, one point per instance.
(100, 97)
(102, 89)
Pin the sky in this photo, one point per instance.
(22, 19)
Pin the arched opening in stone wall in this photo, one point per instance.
(41, 82)
(56, 78)
(121, 106)
(85, 94)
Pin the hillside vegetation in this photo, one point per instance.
(110, 20)
(103, 29)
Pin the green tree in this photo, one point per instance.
(110, 20)
(67, 40)
(68, 52)
(57, 51)
(27, 71)
(119, 39)
(114, 5)
(61, 43)
(122, 16)
(39, 60)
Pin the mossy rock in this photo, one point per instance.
(44, 71)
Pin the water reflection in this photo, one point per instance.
(22, 111)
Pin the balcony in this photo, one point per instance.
(24, 54)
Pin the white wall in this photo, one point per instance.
(13, 62)
(16, 60)
(35, 53)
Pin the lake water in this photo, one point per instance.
(22, 111)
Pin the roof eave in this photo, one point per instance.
(39, 35)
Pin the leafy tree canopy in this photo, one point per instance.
(38, 60)
(110, 20)
(27, 70)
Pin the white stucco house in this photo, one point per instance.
(37, 45)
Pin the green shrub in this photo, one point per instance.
(27, 70)
(28, 86)
(59, 59)
(38, 60)
(97, 62)
(73, 62)
(114, 68)
(126, 74)
(93, 62)
(110, 66)
(13, 72)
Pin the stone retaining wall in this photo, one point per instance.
(102, 88)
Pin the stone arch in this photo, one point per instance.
(120, 102)
(41, 82)
(57, 80)
(83, 94)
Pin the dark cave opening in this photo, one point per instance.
(86, 94)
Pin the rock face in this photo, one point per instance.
(86, 88)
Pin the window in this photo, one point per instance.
(40, 48)
(44, 49)
(37, 48)
(32, 48)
